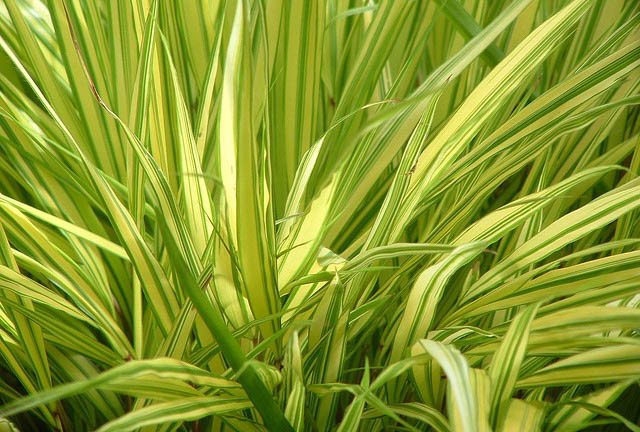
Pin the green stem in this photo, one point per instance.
(258, 393)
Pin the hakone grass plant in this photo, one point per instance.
(319, 215)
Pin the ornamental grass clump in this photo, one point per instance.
(319, 215)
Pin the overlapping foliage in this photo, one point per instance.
(248, 215)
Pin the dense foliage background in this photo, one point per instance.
(319, 215)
